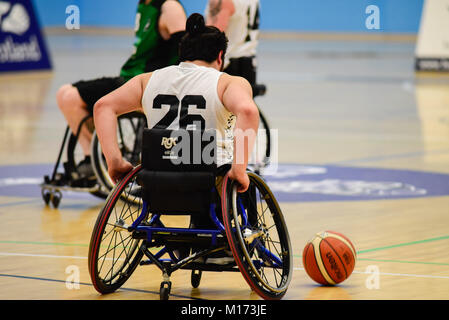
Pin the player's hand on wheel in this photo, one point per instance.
(241, 177)
(118, 169)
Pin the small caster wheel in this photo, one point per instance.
(56, 199)
(195, 278)
(46, 195)
(164, 291)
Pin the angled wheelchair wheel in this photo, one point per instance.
(258, 237)
(113, 252)
(74, 157)
(129, 136)
(261, 154)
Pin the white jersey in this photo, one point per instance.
(243, 30)
(181, 96)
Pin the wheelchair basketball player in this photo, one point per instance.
(160, 25)
(217, 100)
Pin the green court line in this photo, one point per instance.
(297, 256)
(403, 261)
(397, 246)
(52, 244)
(403, 244)
(294, 255)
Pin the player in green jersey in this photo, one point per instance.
(160, 25)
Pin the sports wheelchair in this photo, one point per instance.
(129, 231)
(129, 133)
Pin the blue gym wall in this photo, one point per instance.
(396, 16)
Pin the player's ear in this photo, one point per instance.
(220, 60)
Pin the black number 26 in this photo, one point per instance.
(185, 118)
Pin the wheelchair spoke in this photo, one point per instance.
(260, 245)
(115, 259)
(114, 253)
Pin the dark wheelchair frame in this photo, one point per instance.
(70, 179)
(130, 222)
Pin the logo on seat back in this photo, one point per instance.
(168, 142)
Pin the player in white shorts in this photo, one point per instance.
(195, 91)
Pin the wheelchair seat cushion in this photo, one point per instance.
(177, 192)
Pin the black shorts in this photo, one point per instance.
(92, 90)
(243, 67)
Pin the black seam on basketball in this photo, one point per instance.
(337, 255)
(351, 245)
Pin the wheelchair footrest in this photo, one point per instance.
(210, 267)
(179, 236)
(201, 266)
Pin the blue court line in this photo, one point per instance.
(90, 285)
(390, 157)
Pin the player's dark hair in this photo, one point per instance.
(201, 42)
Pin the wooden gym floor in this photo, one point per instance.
(363, 149)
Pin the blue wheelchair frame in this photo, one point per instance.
(155, 226)
(174, 263)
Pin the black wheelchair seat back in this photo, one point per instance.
(178, 170)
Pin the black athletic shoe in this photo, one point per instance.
(85, 168)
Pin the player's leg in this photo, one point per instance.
(74, 110)
(76, 101)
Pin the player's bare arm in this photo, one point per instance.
(123, 100)
(220, 11)
(236, 95)
(172, 20)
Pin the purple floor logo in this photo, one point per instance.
(294, 182)
(290, 183)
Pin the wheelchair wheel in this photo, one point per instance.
(129, 133)
(113, 253)
(74, 156)
(260, 157)
(258, 237)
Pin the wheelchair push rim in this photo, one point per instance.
(129, 132)
(261, 247)
(113, 253)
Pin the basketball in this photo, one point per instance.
(329, 258)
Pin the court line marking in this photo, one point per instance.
(403, 244)
(394, 274)
(397, 246)
(297, 268)
(296, 256)
(404, 261)
(45, 243)
(90, 285)
(40, 255)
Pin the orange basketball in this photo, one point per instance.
(329, 258)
